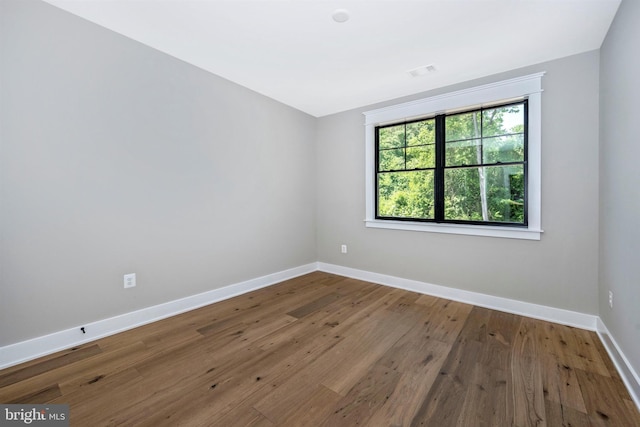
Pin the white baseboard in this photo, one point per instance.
(536, 311)
(41, 346)
(629, 375)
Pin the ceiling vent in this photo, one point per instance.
(421, 71)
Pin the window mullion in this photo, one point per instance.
(377, 170)
(526, 161)
(439, 172)
(481, 137)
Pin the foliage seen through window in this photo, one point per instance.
(467, 167)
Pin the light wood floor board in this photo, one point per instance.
(325, 350)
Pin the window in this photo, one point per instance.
(466, 167)
(466, 162)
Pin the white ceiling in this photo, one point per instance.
(294, 52)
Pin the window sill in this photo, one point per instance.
(470, 230)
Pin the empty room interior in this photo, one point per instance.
(320, 213)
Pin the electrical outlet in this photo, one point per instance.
(129, 280)
(610, 299)
(343, 249)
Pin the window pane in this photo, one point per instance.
(421, 133)
(463, 126)
(391, 137)
(493, 193)
(462, 194)
(503, 149)
(421, 157)
(406, 194)
(391, 160)
(463, 153)
(503, 120)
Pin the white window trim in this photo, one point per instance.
(529, 87)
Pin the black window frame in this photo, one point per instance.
(440, 167)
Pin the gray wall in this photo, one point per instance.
(560, 270)
(619, 180)
(116, 158)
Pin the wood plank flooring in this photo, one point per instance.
(324, 350)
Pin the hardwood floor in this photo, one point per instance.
(324, 350)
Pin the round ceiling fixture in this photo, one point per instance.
(340, 15)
